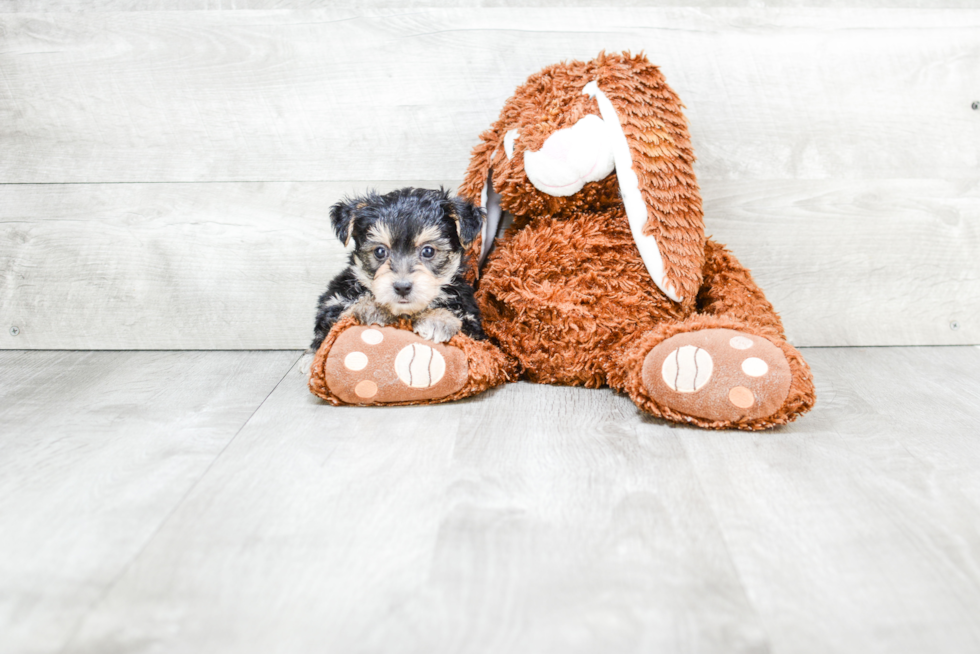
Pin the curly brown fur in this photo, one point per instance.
(559, 294)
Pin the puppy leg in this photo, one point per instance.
(369, 312)
(437, 325)
(304, 363)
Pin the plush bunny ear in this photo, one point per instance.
(652, 157)
(654, 165)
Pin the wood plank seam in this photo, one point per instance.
(79, 623)
(732, 562)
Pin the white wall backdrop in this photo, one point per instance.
(165, 175)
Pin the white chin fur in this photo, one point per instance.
(509, 139)
(425, 290)
(571, 158)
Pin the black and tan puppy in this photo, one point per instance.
(408, 261)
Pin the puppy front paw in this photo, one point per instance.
(438, 325)
(368, 312)
(304, 363)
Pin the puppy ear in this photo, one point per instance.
(342, 219)
(469, 220)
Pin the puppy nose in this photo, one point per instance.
(403, 288)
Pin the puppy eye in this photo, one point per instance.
(427, 252)
(380, 252)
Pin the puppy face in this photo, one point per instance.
(408, 244)
(406, 262)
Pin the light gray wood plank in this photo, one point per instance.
(531, 519)
(889, 262)
(352, 94)
(28, 6)
(167, 266)
(856, 528)
(96, 450)
(552, 519)
(240, 265)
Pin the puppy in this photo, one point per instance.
(408, 260)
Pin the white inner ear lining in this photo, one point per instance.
(490, 200)
(629, 188)
(509, 139)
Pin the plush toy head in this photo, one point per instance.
(585, 136)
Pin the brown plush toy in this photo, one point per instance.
(604, 276)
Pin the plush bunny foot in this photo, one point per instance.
(719, 375)
(385, 365)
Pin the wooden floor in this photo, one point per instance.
(206, 502)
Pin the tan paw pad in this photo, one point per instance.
(755, 367)
(687, 369)
(366, 389)
(419, 366)
(718, 374)
(383, 365)
(740, 342)
(741, 397)
(356, 361)
(372, 336)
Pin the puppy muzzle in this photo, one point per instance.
(402, 289)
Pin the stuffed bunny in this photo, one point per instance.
(601, 273)
(604, 276)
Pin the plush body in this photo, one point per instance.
(605, 276)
